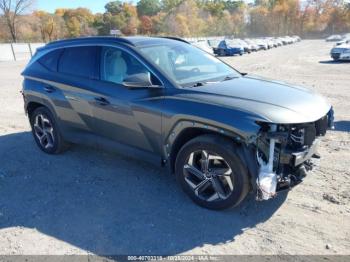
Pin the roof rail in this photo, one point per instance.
(91, 38)
(175, 38)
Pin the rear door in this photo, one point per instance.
(131, 116)
(77, 71)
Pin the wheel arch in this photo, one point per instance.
(32, 106)
(246, 151)
(33, 103)
(186, 131)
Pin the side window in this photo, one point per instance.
(117, 65)
(78, 61)
(50, 60)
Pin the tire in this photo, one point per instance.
(46, 132)
(202, 187)
(222, 52)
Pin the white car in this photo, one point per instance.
(262, 44)
(334, 38)
(344, 41)
(203, 45)
(341, 52)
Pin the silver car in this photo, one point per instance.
(341, 52)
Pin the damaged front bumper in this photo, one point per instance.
(284, 154)
(296, 158)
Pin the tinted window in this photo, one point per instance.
(79, 61)
(50, 60)
(117, 65)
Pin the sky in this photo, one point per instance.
(96, 6)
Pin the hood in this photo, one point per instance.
(341, 47)
(272, 101)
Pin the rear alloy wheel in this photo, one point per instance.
(211, 173)
(45, 131)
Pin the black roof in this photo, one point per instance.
(131, 40)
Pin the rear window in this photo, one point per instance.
(78, 61)
(49, 61)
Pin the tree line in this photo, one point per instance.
(184, 18)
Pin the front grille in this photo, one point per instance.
(335, 55)
(302, 135)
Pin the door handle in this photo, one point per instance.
(101, 101)
(49, 89)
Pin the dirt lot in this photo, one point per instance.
(86, 201)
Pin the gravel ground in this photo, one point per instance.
(92, 202)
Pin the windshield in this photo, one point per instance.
(187, 65)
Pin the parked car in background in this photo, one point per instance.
(229, 47)
(262, 44)
(341, 52)
(278, 42)
(245, 45)
(213, 43)
(344, 41)
(269, 42)
(297, 38)
(252, 45)
(222, 133)
(236, 44)
(334, 38)
(203, 45)
(284, 40)
(291, 40)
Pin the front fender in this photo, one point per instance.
(181, 114)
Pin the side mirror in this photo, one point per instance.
(140, 80)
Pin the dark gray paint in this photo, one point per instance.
(146, 118)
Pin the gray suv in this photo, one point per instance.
(221, 132)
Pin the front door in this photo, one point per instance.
(131, 116)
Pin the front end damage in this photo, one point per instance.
(284, 154)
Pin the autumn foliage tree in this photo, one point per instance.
(146, 25)
(11, 12)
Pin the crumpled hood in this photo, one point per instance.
(272, 101)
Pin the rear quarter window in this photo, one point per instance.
(50, 60)
(78, 61)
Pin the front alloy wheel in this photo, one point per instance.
(211, 172)
(209, 175)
